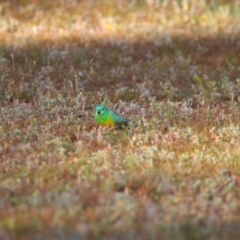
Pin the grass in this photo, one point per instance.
(172, 67)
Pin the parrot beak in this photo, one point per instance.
(98, 112)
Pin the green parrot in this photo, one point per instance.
(107, 117)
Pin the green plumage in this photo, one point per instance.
(107, 117)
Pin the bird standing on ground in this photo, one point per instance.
(106, 117)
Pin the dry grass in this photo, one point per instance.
(172, 67)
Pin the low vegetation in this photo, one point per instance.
(172, 68)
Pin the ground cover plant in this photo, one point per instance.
(172, 67)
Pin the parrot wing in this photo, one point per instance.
(119, 120)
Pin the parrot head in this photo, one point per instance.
(101, 110)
